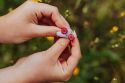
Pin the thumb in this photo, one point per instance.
(56, 50)
(43, 31)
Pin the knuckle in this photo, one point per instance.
(49, 33)
(44, 52)
(66, 76)
(41, 53)
(62, 43)
(80, 56)
(49, 52)
(55, 8)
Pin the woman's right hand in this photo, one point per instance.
(45, 66)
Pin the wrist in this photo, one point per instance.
(28, 76)
(12, 75)
(5, 30)
(2, 29)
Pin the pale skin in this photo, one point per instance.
(21, 25)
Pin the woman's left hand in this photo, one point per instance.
(30, 20)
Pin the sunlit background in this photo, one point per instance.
(100, 25)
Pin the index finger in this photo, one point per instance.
(75, 55)
(53, 12)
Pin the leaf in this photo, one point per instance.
(1, 4)
(77, 3)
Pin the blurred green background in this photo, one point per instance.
(100, 25)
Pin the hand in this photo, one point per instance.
(45, 66)
(30, 20)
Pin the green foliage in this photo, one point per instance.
(100, 28)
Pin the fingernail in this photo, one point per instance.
(68, 27)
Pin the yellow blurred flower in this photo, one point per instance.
(96, 78)
(114, 29)
(122, 14)
(123, 37)
(51, 39)
(115, 45)
(114, 80)
(76, 71)
(37, 0)
(10, 9)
